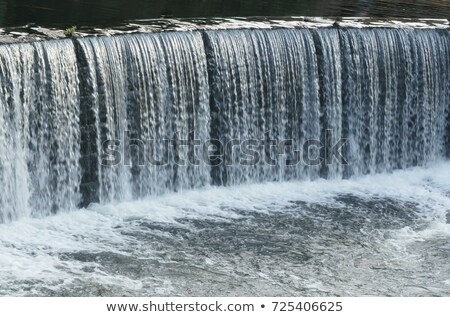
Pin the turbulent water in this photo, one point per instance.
(131, 127)
(385, 234)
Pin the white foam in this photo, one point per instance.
(29, 248)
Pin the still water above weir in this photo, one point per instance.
(106, 12)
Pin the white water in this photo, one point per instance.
(32, 250)
(303, 231)
(385, 90)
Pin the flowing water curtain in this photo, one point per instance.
(386, 90)
(264, 86)
(174, 104)
(104, 78)
(54, 153)
(395, 97)
(16, 69)
(327, 42)
(157, 90)
(40, 130)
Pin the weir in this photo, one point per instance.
(384, 90)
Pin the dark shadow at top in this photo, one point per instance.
(59, 13)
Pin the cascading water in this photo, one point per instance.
(65, 103)
(158, 87)
(40, 136)
(264, 86)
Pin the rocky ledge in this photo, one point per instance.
(33, 32)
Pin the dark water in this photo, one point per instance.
(113, 12)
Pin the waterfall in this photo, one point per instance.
(40, 132)
(107, 119)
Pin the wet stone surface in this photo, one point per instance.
(33, 32)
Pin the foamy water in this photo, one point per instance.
(363, 236)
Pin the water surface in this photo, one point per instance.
(385, 235)
(113, 12)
